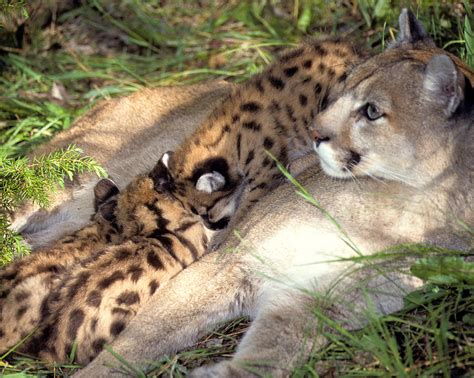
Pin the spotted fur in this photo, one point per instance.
(226, 161)
(26, 283)
(95, 297)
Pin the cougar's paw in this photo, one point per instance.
(220, 370)
(241, 369)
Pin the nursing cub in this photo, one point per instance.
(225, 161)
(25, 283)
(88, 293)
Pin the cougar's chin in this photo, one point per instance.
(329, 163)
(333, 171)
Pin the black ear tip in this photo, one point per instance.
(159, 170)
(105, 182)
(412, 30)
(407, 17)
(163, 164)
(407, 13)
(160, 173)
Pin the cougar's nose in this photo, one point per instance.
(318, 138)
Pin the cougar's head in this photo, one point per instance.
(400, 113)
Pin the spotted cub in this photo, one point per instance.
(98, 296)
(225, 161)
(25, 283)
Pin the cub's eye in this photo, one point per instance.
(371, 112)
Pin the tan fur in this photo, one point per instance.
(100, 295)
(329, 61)
(288, 245)
(127, 136)
(411, 115)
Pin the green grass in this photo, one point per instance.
(96, 51)
(56, 64)
(432, 336)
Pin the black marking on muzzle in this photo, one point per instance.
(354, 160)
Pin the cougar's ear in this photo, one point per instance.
(210, 182)
(443, 83)
(103, 191)
(411, 31)
(160, 173)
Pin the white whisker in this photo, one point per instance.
(372, 176)
(353, 177)
(390, 173)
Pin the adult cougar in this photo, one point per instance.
(288, 243)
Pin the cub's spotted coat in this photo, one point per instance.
(25, 283)
(98, 295)
(225, 162)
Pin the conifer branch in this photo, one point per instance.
(23, 180)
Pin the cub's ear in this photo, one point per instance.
(411, 31)
(160, 173)
(166, 158)
(103, 191)
(442, 83)
(210, 182)
(107, 210)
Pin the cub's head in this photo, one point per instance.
(401, 115)
(213, 190)
(146, 207)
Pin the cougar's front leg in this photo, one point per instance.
(286, 327)
(212, 290)
(281, 336)
(70, 210)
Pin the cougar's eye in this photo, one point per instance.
(371, 112)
